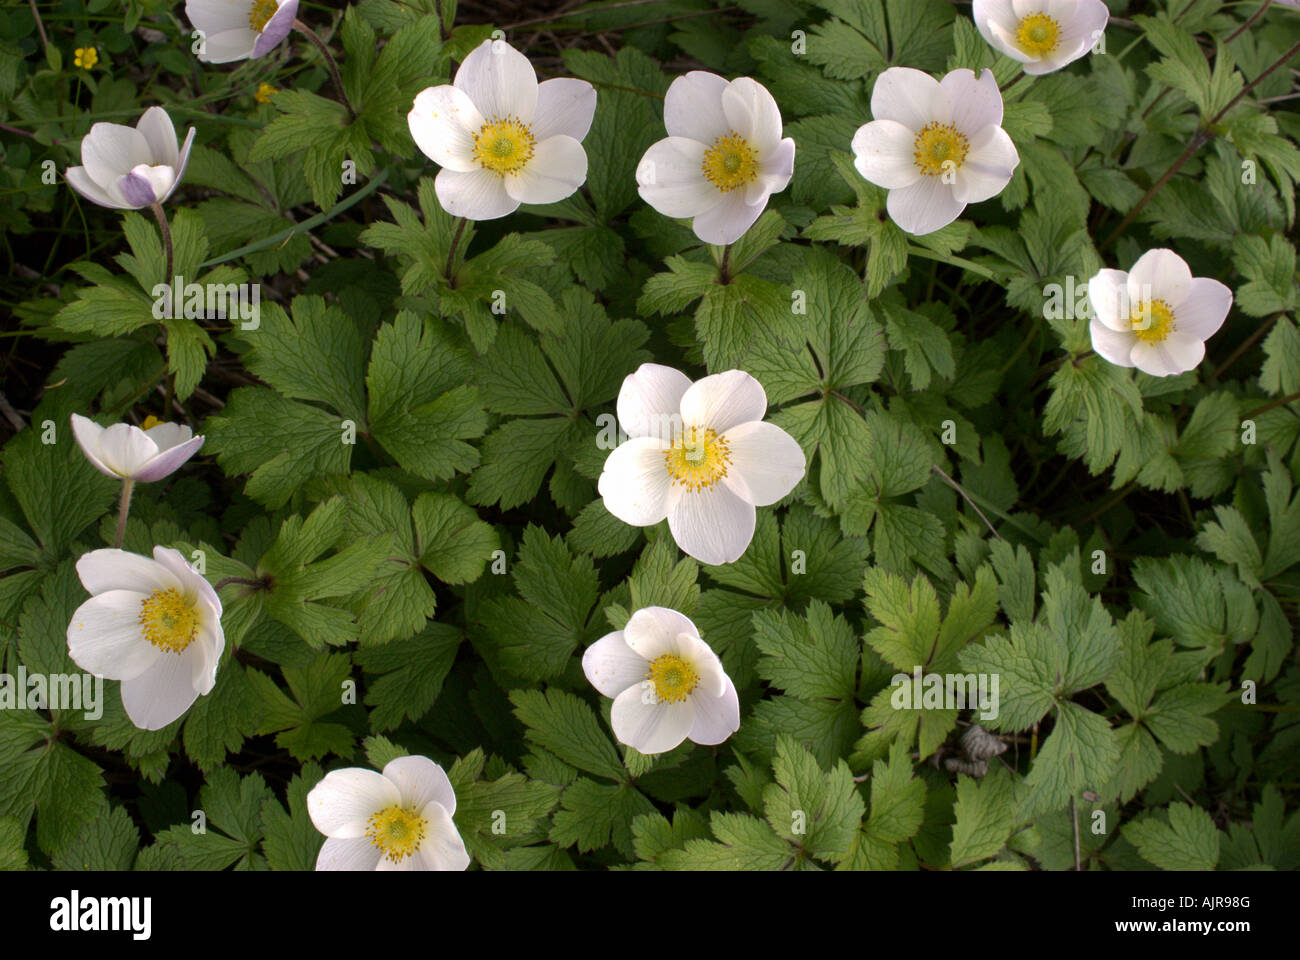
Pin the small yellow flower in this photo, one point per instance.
(86, 57)
(264, 92)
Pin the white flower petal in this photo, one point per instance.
(612, 666)
(558, 168)
(650, 401)
(650, 727)
(910, 97)
(670, 177)
(716, 718)
(712, 678)
(1003, 39)
(342, 803)
(723, 400)
(996, 11)
(421, 782)
(476, 195)
(975, 102)
(635, 481)
(1176, 354)
(443, 848)
(752, 112)
(1203, 310)
(1159, 274)
(354, 854)
(884, 153)
(104, 636)
(766, 462)
(168, 461)
(79, 180)
(215, 16)
(713, 525)
(500, 81)
(191, 583)
(113, 569)
(653, 631)
(110, 150)
(566, 106)
(693, 107)
(924, 207)
(1108, 295)
(775, 172)
(443, 122)
(229, 45)
(160, 694)
(156, 127)
(1112, 345)
(727, 221)
(991, 161)
(123, 448)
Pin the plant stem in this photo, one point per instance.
(965, 496)
(451, 253)
(166, 232)
(724, 270)
(242, 581)
(40, 27)
(1249, 23)
(1249, 342)
(330, 63)
(128, 486)
(1199, 139)
(1270, 405)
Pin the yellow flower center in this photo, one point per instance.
(936, 146)
(698, 459)
(1152, 321)
(263, 10)
(730, 163)
(85, 57)
(1038, 34)
(504, 146)
(396, 831)
(264, 91)
(169, 621)
(150, 422)
(673, 677)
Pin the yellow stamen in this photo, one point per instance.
(150, 422)
(169, 621)
(504, 146)
(673, 677)
(396, 831)
(698, 459)
(1038, 34)
(730, 163)
(264, 91)
(1152, 321)
(262, 12)
(938, 145)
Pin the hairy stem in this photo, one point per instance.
(128, 487)
(330, 63)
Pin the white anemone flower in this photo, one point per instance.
(153, 624)
(1044, 35)
(240, 29)
(700, 455)
(667, 684)
(501, 137)
(935, 145)
(396, 820)
(1157, 316)
(129, 168)
(127, 452)
(723, 156)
